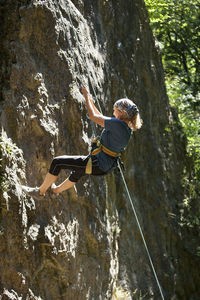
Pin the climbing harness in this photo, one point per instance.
(119, 166)
(97, 147)
(100, 147)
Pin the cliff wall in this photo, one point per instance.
(85, 243)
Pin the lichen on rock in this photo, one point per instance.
(85, 243)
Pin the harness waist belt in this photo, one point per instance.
(101, 147)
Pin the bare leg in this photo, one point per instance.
(49, 179)
(65, 185)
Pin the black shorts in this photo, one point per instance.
(76, 164)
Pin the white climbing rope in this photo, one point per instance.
(140, 229)
(82, 56)
(74, 58)
(119, 166)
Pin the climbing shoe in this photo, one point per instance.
(32, 192)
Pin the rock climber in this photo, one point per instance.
(105, 152)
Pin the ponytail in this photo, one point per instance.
(135, 122)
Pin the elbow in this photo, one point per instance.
(91, 115)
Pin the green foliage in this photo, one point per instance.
(182, 98)
(176, 26)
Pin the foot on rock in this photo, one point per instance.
(54, 189)
(32, 192)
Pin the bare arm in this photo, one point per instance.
(93, 112)
(97, 112)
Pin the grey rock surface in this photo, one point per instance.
(85, 243)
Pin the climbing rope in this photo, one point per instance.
(84, 61)
(119, 166)
(140, 229)
(74, 58)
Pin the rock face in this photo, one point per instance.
(85, 244)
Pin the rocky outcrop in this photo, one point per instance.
(85, 244)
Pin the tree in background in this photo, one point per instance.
(176, 26)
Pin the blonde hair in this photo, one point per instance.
(134, 122)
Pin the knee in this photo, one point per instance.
(54, 167)
(55, 161)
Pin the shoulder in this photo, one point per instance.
(113, 122)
